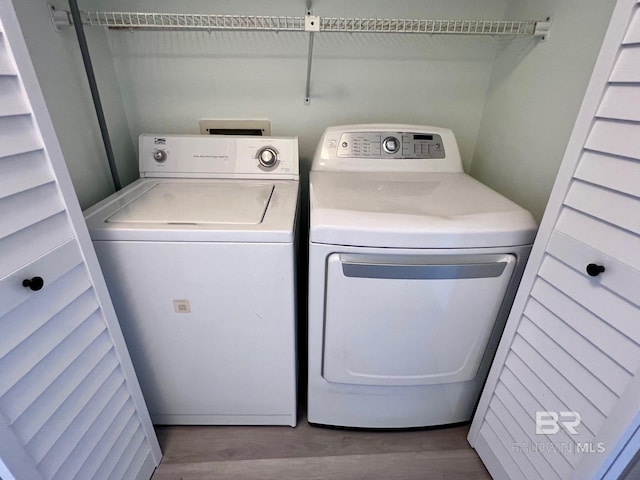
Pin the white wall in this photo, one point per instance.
(534, 97)
(170, 80)
(58, 65)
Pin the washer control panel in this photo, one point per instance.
(408, 145)
(221, 156)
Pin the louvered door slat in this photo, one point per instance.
(19, 249)
(533, 468)
(142, 461)
(615, 137)
(601, 397)
(546, 395)
(621, 210)
(18, 410)
(528, 405)
(548, 467)
(603, 336)
(70, 405)
(52, 449)
(66, 398)
(30, 352)
(133, 458)
(23, 172)
(622, 102)
(68, 455)
(17, 136)
(83, 450)
(616, 173)
(507, 440)
(6, 65)
(49, 331)
(121, 458)
(119, 434)
(565, 391)
(41, 445)
(490, 447)
(633, 34)
(44, 373)
(34, 205)
(601, 366)
(46, 446)
(626, 69)
(11, 100)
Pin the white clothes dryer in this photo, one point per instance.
(199, 259)
(413, 266)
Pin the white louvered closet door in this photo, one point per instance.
(572, 341)
(70, 404)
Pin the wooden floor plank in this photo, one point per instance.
(433, 465)
(310, 452)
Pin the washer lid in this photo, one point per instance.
(197, 210)
(413, 210)
(198, 204)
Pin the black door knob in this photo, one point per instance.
(35, 283)
(594, 270)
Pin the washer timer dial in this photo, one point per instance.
(267, 157)
(159, 156)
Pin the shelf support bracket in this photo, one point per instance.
(543, 29)
(59, 18)
(311, 25)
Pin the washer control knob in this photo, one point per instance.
(160, 156)
(267, 157)
(391, 145)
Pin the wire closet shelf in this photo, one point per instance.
(185, 21)
(307, 23)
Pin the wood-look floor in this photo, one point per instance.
(311, 452)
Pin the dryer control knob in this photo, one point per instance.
(267, 157)
(391, 145)
(160, 156)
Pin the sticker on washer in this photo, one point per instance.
(182, 306)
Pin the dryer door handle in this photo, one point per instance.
(422, 271)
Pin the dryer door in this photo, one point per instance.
(410, 320)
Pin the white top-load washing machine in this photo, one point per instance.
(198, 255)
(413, 266)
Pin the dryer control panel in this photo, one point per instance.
(390, 145)
(388, 148)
